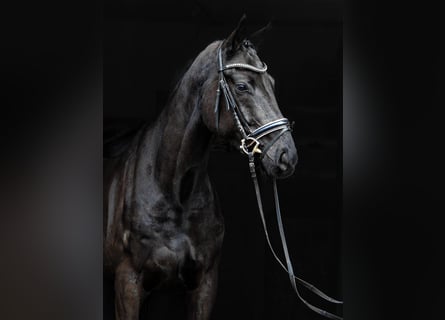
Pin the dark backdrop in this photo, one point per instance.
(393, 206)
(147, 45)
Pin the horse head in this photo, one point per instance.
(242, 107)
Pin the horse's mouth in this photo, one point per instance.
(277, 171)
(281, 163)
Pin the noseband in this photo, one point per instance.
(251, 145)
(250, 142)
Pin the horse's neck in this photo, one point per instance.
(173, 154)
(184, 147)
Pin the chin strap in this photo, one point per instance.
(293, 279)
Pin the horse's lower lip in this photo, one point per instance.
(285, 174)
(278, 171)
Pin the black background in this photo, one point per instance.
(51, 164)
(145, 50)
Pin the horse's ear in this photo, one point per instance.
(258, 36)
(236, 37)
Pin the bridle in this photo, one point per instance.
(250, 138)
(251, 145)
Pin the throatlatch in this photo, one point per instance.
(251, 145)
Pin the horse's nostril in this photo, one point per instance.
(283, 157)
(283, 162)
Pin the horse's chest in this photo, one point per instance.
(176, 261)
(179, 252)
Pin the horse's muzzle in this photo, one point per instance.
(281, 158)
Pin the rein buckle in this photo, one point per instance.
(252, 143)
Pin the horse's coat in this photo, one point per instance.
(162, 223)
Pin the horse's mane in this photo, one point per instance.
(118, 134)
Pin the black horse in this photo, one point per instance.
(162, 223)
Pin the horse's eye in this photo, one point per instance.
(241, 87)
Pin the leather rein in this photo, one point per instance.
(251, 145)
